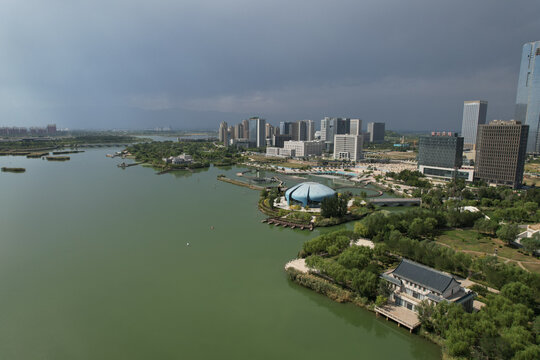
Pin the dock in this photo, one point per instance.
(286, 223)
(399, 314)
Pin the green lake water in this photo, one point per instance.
(94, 264)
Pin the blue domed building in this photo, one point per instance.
(309, 193)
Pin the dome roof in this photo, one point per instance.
(308, 192)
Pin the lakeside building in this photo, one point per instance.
(179, 160)
(308, 194)
(528, 94)
(412, 283)
(50, 129)
(376, 132)
(304, 148)
(348, 147)
(441, 155)
(474, 114)
(500, 152)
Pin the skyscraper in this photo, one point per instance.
(376, 132)
(474, 114)
(224, 133)
(528, 94)
(245, 127)
(355, 127)
(500, 152)
(257, 132)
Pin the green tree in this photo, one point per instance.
(333, 206)
(531, 244)
(508, 233)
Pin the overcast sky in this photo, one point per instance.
(191, 64)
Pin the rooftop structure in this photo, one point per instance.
(308, 193)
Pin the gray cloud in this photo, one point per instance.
(191, 64)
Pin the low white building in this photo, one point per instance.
(348, 147)
(466, 172)
(277, 151)
(304, 148)
(179, 160)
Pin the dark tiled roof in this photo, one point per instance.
(423, 275)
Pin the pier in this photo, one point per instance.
(286, 223)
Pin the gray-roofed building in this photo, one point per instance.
(412, 282)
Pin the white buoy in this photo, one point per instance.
(187, 244)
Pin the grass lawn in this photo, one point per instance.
(533, 267)
(468, 241)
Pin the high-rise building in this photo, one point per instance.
(376, 132)
(355, 127)
(279, 140)
(528, 94)
(441, 156)
(302, 130)
(326, 129)
(269, 131)
(51, 129)
(257, 132)
(245, 127)
(224, 133)
(348, 147)
(474, 114)
(333, 126)
(310, 130)
(306, 130)
(441, 149)
(500, 152)
(238, 131)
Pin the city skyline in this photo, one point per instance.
(161, 65)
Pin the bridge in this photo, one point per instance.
(396, 201)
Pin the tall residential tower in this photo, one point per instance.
(528, 94)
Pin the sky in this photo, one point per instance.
(191, 64)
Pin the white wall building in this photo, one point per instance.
(305, 148)
(348, 147)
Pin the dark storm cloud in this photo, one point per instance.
(191, 64)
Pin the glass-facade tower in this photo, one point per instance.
(474, 114)
(528, 94)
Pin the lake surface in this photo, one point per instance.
(94, 265)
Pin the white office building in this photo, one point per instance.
(348, 147)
